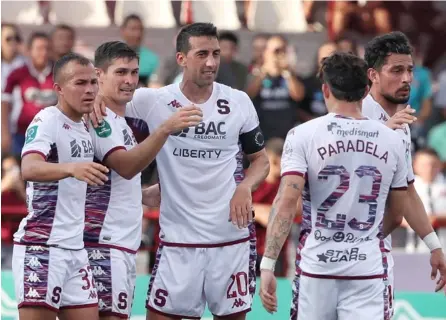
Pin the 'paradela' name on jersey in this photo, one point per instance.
(340, 146)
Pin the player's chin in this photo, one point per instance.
(87, 106)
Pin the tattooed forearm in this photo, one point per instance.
(282, 215)
(276, 236)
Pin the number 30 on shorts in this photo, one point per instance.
(238, 285)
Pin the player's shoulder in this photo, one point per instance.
(238, 99)
(307, 129)
(147, 95)
(370, 107)
(47, 116)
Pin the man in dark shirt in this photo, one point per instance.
(276, 91)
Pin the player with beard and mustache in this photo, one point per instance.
(390, 73)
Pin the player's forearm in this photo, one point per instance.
(130, 163)
(255, 85)
(416, 216)
(390, 223)
(282, 215)
(279, 226)
(41, 171)
(258, 170)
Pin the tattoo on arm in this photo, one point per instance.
(279, 226)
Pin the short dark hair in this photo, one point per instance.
(346, 75)
(380, 47)
(199, 29)
(228, 36)
(62, 62)
(65, 27)
(37, 35)
(109, 51)
(130, 17)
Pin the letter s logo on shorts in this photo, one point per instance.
(160, 297)
(103, 130)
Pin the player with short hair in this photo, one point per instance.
(203, 257)
(390, 62)
(113, 221)
(50, 265)
(346, 167)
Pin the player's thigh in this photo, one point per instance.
(79, 294)
(230, 279)
(363, 299)
(39, 313)
(39, 276)
(87, 313)
(114, 272)
(176, 285)
(314, 298)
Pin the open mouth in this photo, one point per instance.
(126, 90)
(88, 100)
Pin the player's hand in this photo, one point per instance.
(241, 206)
(438, 265)
(151, 196)
(98, 113)
(186, 117)
(402, 117)
(89, 172)
(268, 285)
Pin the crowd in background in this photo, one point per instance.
(282, 97)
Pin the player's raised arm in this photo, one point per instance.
(128, 163)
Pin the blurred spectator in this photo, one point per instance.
(11, 56)
(371, 18)
(62, 40)
(437, 138)
(258, 47)
(276, 91)
(11, 60)
(13, 194)
(231, 72)
(168, 72)
(132, 32)
(347, 45)
(314, 99)
(35, 81)
(430, 184)
(263, 198)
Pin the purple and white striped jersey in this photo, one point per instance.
(113, 212)
(374, 111)
(56, 210)
(349, 165)
(199, 167)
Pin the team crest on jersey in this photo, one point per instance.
(175, 104)
(103, 130)
(31, 134)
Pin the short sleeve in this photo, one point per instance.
(251, 136)
(106, 138)
(11, 83)
(40, 135)
(409, 164)
(400, 177)
(294, 156)
(142, 104)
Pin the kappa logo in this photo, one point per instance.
(96, 255)
(175, 104)
(100, 287)
(238, 303)
(36, 248)
(66, 126)
(33, 277)
(98, 271)
(32, 293)
(34, 262)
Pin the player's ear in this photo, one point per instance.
(326, 90)
(181, 59)
(58, 89)
(373, 75)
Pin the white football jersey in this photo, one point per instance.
(113, 212)
(349, 166)
(374, 111)
(56, 210)
(199, 167)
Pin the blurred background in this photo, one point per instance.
(271, 50)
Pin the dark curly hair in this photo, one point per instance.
(346, 75)
(380, 47)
